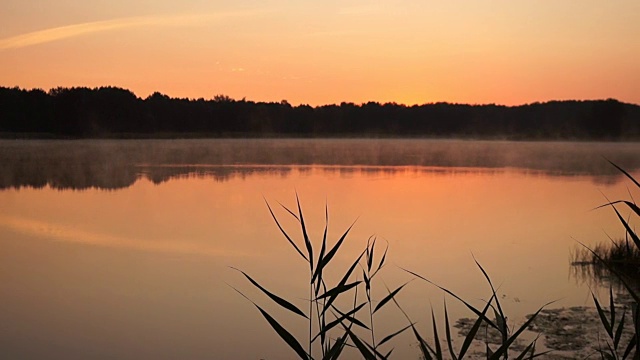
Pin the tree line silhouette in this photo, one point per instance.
(81, 112)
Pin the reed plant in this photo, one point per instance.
(332, 328)
(621, 260)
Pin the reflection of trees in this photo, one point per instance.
(117, 164)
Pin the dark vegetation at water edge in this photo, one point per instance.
(81, 112)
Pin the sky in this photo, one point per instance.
(411, 52)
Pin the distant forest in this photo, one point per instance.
(81, 112)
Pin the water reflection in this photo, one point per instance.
(118, 164)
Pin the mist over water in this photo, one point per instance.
(116, 164)
(140, 270)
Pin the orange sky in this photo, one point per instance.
(507, 52)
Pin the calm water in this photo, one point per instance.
(121, 249)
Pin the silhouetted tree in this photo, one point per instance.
(111, 111)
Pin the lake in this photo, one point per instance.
(121, 249)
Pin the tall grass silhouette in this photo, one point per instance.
(621, 261)
(332, 329)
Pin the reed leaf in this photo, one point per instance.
(505, 346)
(499, 315)
(285, 233)
(388, 297)
(289, 211)
(278, 300)
(332, 293)
(618, 334)
(612, 309)
(360, 345)
(338, 321)
(351, 319)
(307, 242)
(435, 336)
(367, 282)
(335, 349)
(631, 205)
(424, 346)
(530, 348)
(630, 346)
(475, 311)
(319, 267)
(375, 351)
(624, 172)
(325, 260)
(474, 329)
(340, 285)
(391, 336)
(279, 329)
(285, 335)
(370, 254)
(634, 236)
(384, 256)
(448, 333)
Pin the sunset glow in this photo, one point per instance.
(506, 52)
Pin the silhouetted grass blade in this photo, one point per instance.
(360, 345)
(285, 233)
(631, 205)
(436, 338)
(504, 347)
(285, 335)
(280, 301)
(341, 284)
(367, 281)
(531, 349)
(307, 242)
(630, 347)
(351, 319)
(338, 321)
(475, 311)
(375, 351)
(499, 314)
(320, 266)
(612, 308)
(624, 172)
(336, 349)
(335, 248)
(332, 293)
(391, 336)
(474, 329)
(618, 334)
(424, 346)
(384, 256)
(630, 231)
(370, 255)
(289, 211)
(388, 297)
(448, 333)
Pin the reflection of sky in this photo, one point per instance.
(149, 261)
(118, 164)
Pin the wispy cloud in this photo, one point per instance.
(69, 31)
